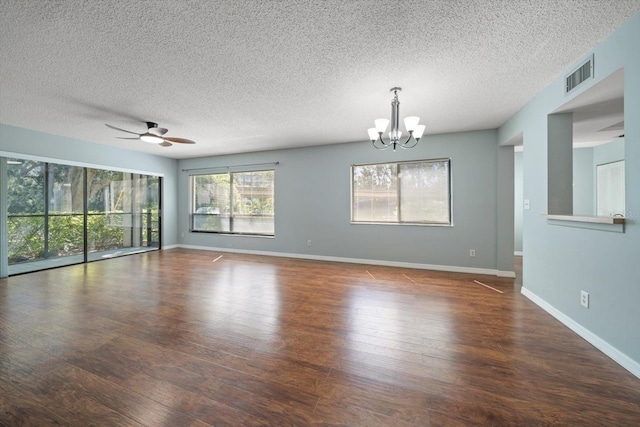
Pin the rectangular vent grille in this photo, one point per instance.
(582, 73)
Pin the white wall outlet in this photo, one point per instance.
(309, 242)
(584, 299)
(181, 234)
(472, 252)
(527, 204)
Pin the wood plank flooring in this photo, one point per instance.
(172, 338)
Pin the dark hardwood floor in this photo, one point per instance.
(174, 338)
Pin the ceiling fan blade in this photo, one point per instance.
(121, 130)
(179, 140)
(165, 144)
(124, 137)
(158, 131)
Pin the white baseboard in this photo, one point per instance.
(517, 253)
(448, 268)
(509, 274)
(170, 247)
(619, 357)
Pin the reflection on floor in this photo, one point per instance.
(43, 264)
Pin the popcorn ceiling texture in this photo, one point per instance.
(240, 76)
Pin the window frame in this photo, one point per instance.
(192, 203)
(398, 222)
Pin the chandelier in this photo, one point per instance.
(411, 124)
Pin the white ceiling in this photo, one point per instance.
(240, 76)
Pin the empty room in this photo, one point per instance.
(329, 213)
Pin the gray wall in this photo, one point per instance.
(504, 209)
(610, 152)
(518, 201)
(313, 203)
(19, 142)
(560, 164)
(583, 182)
(313, 199)
(560, 260)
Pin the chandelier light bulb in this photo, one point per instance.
(395, 136)
(381, 125)
(373, 133)
(411, 122)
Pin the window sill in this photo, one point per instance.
(592, 219)
(603, 223)
(223, 233)
(420, 224)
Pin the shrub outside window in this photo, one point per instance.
(234, 203)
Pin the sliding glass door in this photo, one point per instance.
(64, 214)
(60, 214)
(123, 213)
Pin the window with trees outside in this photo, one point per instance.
(233, 203)
(415, 192)
(60, 214)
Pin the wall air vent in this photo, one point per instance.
(579, 75)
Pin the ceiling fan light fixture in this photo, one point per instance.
(152, 139)
(153, 135)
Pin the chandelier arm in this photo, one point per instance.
(412, 145)
(384, 145)
(406, 143)
(409, 138)
(381, 141)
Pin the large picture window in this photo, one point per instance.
(233, 203)
(417, 192)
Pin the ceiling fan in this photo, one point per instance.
(154, 135)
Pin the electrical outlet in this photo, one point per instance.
(309, 242)
(181, 234)
(472, 253)
(527, 204)
(584, 299)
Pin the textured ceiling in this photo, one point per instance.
(241, 76)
